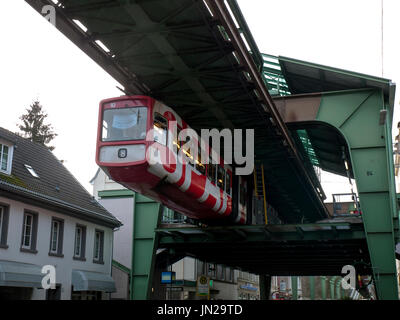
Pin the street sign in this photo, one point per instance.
(167, 277)
(203, 286)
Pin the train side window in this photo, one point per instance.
(221, 177)
(177, 142)
(242, 195)
(189, 153)
(199, 166)
(211, 172)
(160, 129)
(228, 183)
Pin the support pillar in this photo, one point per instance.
(147, 214)
(265, 286)
(312, 287)
(323, 287)
(294, 288)
(339, 289)
(356, 114)
(332, 287)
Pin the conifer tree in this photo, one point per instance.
(33, 125)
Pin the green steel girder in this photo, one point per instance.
(307, 249)
(323, 287)
(273, 76)
(147, 215)
(332, 285)
(287, 232)
(356, 115)
(294, 281)
(350, 119)
(312, 287)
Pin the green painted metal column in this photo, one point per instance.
(356, 114)
(294, 288)
(323, 287)
(339, 289)
(147, 214)
(312, 287)
(332, 282)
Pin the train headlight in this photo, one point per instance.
(122, 154)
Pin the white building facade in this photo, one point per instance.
(38, 251)
(56, 241)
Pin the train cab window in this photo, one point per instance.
(211, 171)
(228, 183)
(160, 129)
(221, 178)
(122, 124)
(199, 166)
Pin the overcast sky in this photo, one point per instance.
(38, 62)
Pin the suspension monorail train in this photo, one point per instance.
(137, 148)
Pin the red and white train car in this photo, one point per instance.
(135, 131)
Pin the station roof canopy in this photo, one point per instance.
(306, 77)
(323, 146)
(292, 78)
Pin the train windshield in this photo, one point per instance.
(122, 124)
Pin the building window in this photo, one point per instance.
(200, 268)
(220, 272)
(4, 209)
(86, 295)
(56, 237)
(211, 270)
(229, 274)
(28, 224)
(31, 171)
(1, 220)
(98, 246)
(29, 232)
(80, 241)
(55, 228)
(5, 158)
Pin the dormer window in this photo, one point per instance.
(6, 151)
(31, 171)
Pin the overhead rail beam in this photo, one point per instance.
(306, 249)
(148, 48)
(220, 10)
